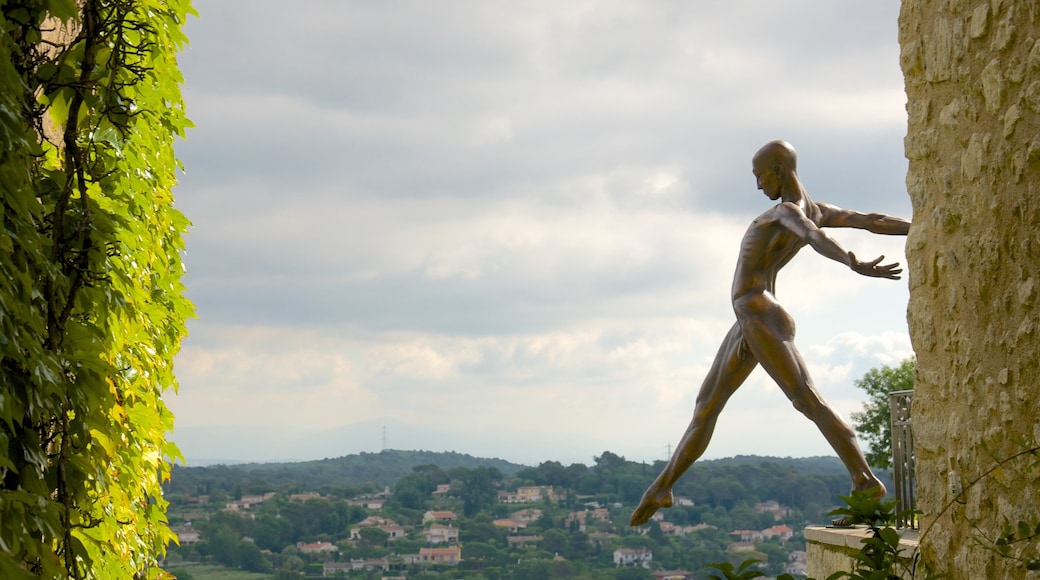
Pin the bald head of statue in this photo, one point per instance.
(776, 153)
(775, 167)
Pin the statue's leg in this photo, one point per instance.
(731, 367)
(769, 332)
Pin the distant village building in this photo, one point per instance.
(783, 532)
(449, 556)
(441, 534)
(373, 521)
(527, 494)
(747, 535)
(526, 516)
(374, 504)
(576, 519)
(439, 516)
(508, 524)
(392, 529)
(633, 557)
(442, 489)
(796, 562)
(582, 517)
(779, 512)
(741, 546)
(522, 541)
(670, 529)
(247, 501)
(186, 536)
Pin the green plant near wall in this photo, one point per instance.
(745, 571)
(91, 304)
(880, 557)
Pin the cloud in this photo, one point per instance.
(273, 376)
(510, 228)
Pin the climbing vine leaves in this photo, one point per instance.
(92, 309)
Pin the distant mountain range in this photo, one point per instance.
(385, 468)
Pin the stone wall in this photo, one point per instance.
(972, 74)
(830, 550)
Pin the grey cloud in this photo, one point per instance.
(410, 62)
(486, 170)
(413, 302)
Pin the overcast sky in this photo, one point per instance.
(508, 229)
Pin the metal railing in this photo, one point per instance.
(903, 459)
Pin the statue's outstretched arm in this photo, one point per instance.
(878, 223)
(792, 217)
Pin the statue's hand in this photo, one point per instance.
(875, 268)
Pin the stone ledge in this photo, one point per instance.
(829, 550)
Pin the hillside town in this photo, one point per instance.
(514, 531)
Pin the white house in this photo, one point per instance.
(633, 557)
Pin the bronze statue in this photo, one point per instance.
(764, 331)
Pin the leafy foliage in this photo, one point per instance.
(874, 423)
(478, 490)
(90, 264)
(879, 557)
(746, 571)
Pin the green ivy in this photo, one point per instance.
(92, 310)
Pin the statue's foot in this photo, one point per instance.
(873, 486)
(842, 522)
(653, 500)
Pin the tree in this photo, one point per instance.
(372, 537)
(555, 542)
(776, 557)
(484, 554)
(90, 268)
(578, 546)
(250, 558)
(632, 573)
(478, 490)
(481, 529)
(874, 423)
(411, 492)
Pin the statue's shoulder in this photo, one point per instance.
(780, 211)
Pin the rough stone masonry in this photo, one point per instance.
(972, 74)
